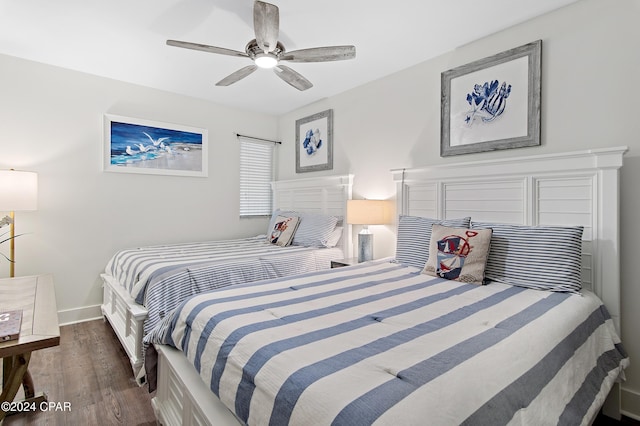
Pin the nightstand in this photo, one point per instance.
(344, 262)
(36, 296)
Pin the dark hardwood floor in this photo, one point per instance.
(606, 421)
(91, 371)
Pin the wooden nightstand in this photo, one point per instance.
(344, 262)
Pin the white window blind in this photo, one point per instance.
(256, 174)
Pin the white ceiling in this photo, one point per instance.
(125, 40)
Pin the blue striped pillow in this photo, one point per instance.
(314, 229)
(414, 237)
(538, 257)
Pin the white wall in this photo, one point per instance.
(590, 92)
(51, 123)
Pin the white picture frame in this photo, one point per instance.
(133, 145)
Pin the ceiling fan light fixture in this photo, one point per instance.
(265, 60)
(267, 52)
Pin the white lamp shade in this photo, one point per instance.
(18, 190)
(369, 212)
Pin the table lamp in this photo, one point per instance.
(18, 191)
(367, 212)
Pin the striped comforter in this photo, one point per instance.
(160, 277)
(381, 343)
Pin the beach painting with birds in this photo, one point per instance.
(134, 145)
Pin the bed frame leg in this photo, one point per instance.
(611, 406)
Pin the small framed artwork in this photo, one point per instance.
(314, 142)
(492, 103)
(134, 145)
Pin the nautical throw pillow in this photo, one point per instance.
(283, 230)
(458, 254)
(414, 237)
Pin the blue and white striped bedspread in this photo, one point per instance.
(380, 343)
(160, 277)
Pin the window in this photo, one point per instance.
(256, 174)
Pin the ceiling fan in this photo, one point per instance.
(267, 52)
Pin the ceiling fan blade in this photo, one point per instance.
(266, 22)
(206, 48)
(236, 76)
(320, 54)
(292, 77)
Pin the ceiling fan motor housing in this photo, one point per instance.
(261, 58)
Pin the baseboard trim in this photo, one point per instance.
(630, 404)
(73, 316)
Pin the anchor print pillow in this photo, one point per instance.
(283, 230)
(458, 254)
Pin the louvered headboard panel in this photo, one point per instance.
(324, 194)
(577, 188)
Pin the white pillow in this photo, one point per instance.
(334, 238)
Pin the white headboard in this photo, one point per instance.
(323, 194)
(576, 188)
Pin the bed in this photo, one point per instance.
(143, 284)
(381, 342)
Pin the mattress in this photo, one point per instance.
(380, 343)
(160, 277)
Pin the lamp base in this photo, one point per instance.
(365, 246)
(12, 246)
